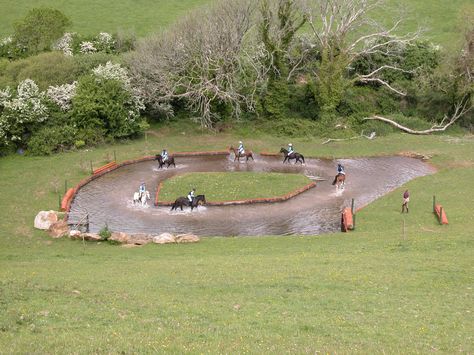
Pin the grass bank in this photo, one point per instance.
(232, 186)
(377, 289)
(440, 19)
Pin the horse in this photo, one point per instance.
(141, 198)
(299, 157)
(237, 154)
(339, 180)
(183, 201)
(169, 161)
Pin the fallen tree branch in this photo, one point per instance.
(371, 136)
(460, 109)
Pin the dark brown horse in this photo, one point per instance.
(299, 157)
(183, 201)
(169, 161)
(339, 180)
(237, 154)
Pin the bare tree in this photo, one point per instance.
(200, 61)
(344, 31)
(458, 84)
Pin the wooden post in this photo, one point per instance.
(92, 170)
(353, 222)
(404, 229)
(352, 206)
(434, 203)
(65, 185)
(87, 223)
(59, 201)
(115, 157)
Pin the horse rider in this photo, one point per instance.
(291, 150)
(142, 189)
(241, 149)
(191, 195)
(164, 155)
(340, 169)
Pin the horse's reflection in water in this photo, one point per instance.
(183, 201)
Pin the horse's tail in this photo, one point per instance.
(302, 157)
(335, 180)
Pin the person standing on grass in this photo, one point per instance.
(406, 199)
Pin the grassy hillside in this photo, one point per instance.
(440, 18)
(93, 16)
(372, 290)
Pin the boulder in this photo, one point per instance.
(164, 238)
(44, 219)
(120, 237)
(75, 234)
(58, 229)
(187, 238)
(140, 239)
(93, 237)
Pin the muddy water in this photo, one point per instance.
(108, 199)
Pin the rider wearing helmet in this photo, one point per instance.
(241, 148)
(340, 169)
(191, 195)
(142, 188)
(290, 149)
(164, 155)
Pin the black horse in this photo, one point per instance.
(299, 157)
(169, 161)
(183, 201)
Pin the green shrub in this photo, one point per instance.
(105, 106)
(39, 29)
(49, 140)
(105, 233)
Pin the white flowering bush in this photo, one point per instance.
(111, 71)
(21, 111)
(62, 95)
(87, 47)
(65, 43)
(105, 42)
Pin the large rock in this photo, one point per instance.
(164, 238)
(44, 219)
(58, 229)
(119, 237)
(187, 238)
(140, 239)
(93, 237)
(75, 234)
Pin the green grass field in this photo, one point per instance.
(441, 19)
(90, 17)
(232, 186)
(376, 289)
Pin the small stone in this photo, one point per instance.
(119, 237)
(187, 238)
(58, 229)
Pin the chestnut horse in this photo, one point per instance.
(339, 180)
(247, 154)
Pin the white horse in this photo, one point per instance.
(143, 198)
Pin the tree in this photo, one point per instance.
(344, 31)
(40, 29)
(278, 26)
(455, 86)
(201, 62)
